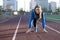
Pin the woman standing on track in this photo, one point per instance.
(36, 14)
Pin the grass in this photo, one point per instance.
(55, 18)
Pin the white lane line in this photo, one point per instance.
(14, 36)
(53, 29)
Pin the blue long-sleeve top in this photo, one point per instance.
(32, 17)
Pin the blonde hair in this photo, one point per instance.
(38, 6)
(40, 11)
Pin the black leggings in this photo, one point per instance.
(34, 22)
(36, 17)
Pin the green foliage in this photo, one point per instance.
(44, 9)
(58, 10)
(21, 10)
(0, 11)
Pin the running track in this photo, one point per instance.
(15, 29)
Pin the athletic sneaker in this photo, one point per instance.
(44, 30)
(35, 29)
(29, 30)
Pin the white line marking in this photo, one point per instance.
(53, 29)
(14, 36)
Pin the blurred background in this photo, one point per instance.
(51, 8)
(14, 18)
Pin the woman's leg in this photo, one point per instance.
(34, 23)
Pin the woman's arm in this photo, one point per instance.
(43, 20)
(31, 18)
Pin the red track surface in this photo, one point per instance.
(8, 28)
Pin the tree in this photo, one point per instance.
(44, 9)
(21, 11)
(0, 11)
(58, 10)
(49, 11)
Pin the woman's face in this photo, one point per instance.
(37, 10)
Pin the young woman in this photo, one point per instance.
(36, 14)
